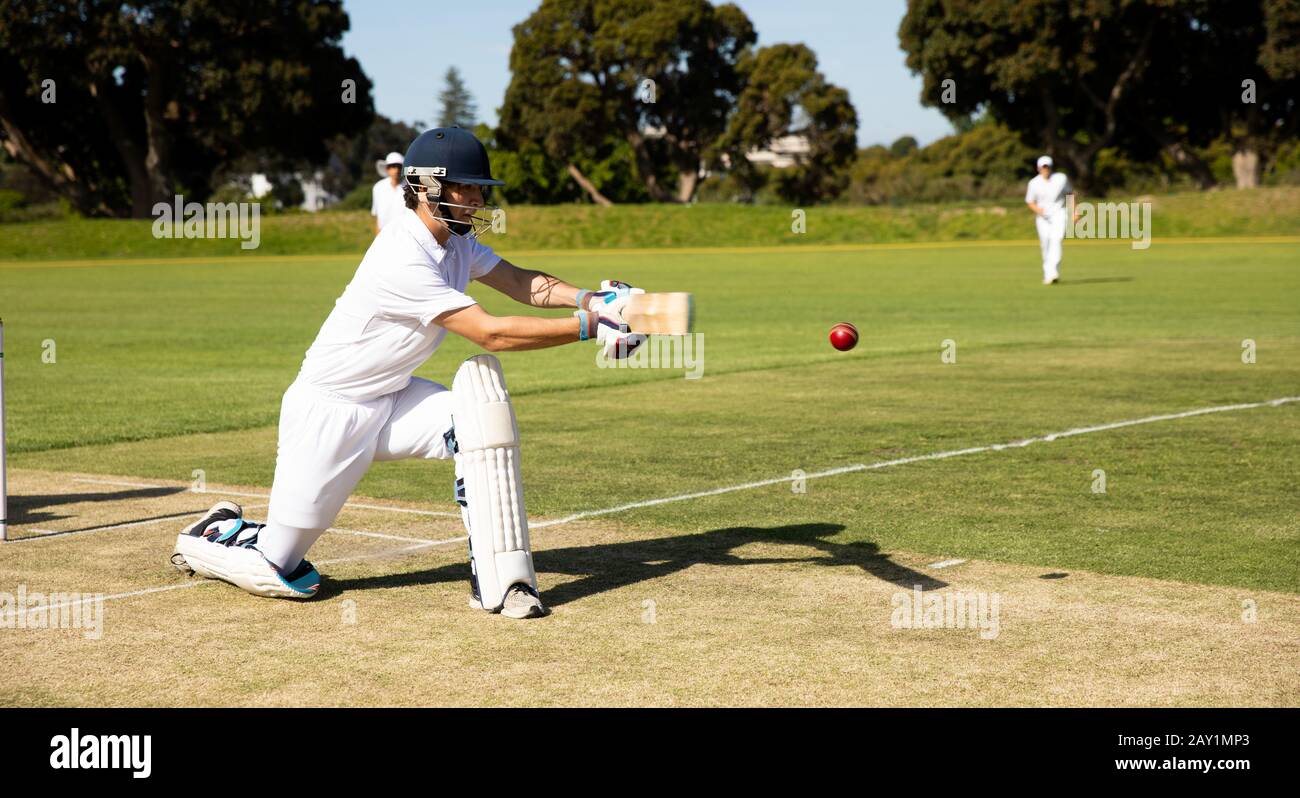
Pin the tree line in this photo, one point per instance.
(1154, 81)
(114, 106)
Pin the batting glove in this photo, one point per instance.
(609, 300)
(619, 345)
(610, 331)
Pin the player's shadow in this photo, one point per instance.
(31, 509)
(609, 566)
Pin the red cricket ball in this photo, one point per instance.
(844, 336)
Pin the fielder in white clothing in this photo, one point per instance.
(354, 400)
(1047, 197)
(386, 202)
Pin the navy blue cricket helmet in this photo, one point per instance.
(450, 155)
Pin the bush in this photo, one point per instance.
(358, 199)
(987, 161)
(11, 201)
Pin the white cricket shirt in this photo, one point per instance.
(379, 331)
(386, 201)
(1049, 194)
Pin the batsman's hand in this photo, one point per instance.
(610, 299)
(611, 332)
(618, 345)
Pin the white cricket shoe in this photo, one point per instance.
(521, 602)
(224, 546)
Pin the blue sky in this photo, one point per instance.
(405, 46)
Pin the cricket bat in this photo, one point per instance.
(660, 314)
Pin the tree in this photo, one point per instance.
(904, 146)
(1240, 88)
(151, 96)
(1148, 78)
(352, 158)
(458, 108)
(1252, 81)
(1055, 72)
(785, 95)
(677, 84)
(985, 161)
(659, 75)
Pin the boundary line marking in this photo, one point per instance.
(996, 447)
(850, 469)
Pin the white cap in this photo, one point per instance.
(1046, 160)
(395, 159)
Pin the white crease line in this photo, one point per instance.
(437, 513)
(44, 534)
(945, 563)
(354, 505)
(120, 484)
(131, 594)
(394, 552)
(849, 469)
(379, 535)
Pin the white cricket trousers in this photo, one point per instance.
(327, 444)
(1051, 232)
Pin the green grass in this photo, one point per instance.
(162, 369)
(1264, 211)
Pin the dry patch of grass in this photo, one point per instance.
(735, 616)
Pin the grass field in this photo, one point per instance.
(1267, 211)
(758, 595)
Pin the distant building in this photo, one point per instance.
(781, 153)
(314, 195)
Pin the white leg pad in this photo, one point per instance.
(487, 459)
(240, 566)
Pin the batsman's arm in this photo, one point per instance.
(535, 288)
(517, 333)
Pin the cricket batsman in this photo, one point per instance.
(354, 400)
(1046, 197)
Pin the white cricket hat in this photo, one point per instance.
(1046, 160)
(395, 159)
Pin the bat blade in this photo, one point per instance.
(660, 314)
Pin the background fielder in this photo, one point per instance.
(354, 400)
(1046, 197)
(387, 195)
